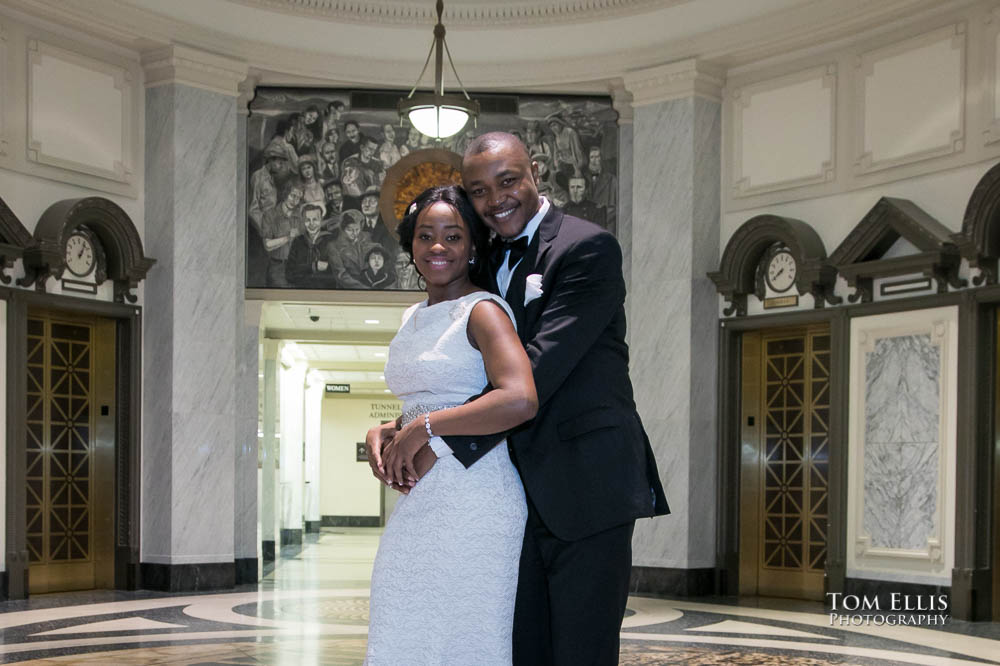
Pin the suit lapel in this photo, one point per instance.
(534, 261)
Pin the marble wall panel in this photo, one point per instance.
(674, 319)
(625, 204)
(902, 429)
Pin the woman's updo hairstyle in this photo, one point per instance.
(454, 196)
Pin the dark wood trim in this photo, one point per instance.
(16, 555)
(728, 444)
(127, 263)
(979, 240)
(128, 444)
(12, 230)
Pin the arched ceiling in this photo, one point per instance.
(570, 45)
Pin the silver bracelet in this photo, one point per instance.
(427, 424)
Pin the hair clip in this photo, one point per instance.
(412, 209)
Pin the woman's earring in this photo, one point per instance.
(472, 261)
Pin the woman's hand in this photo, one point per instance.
(397, 455)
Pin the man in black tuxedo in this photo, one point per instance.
(586, 463)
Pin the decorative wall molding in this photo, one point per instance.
(38, 54)
(740, 100)
(867, 63)
(193, 67)
(909, 358)
(979, 240)
(677, 80)
(859, 257)
(737, 274)
(14, 238)
(5, 95)
(621, 100)
(127, 264)
(466, 14)
(991, 62)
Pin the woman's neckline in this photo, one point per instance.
(426, 303)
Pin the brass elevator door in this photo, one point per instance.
(784, 476)
(70, 452)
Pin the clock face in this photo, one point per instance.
(781, 271)
(80, 257)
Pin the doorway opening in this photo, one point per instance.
(784, 462)
(70, 451)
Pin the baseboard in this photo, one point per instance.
(267, 551)
(188, 577)
(291, 537)
(312, 526)
(246, 570)
(4, 587)
(351, 521)
(668, 582)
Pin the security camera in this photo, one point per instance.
(314, 318)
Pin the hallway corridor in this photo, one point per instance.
(312, 608)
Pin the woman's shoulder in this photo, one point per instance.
(478, 297)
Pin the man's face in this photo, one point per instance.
(277, 166)
(502, 185)
(594, 161)
(313, 221)
(531, 134)
(352, 230)
(293, 198)
(334, 198)
(330, 153)
(367, 150)
(577, 188)
(311, 117)
(402, 262)
(352, 132)
(369, 206)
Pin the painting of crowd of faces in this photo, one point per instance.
(318, 158)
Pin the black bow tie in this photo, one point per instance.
(517, 248)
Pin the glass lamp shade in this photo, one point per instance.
(438, 122)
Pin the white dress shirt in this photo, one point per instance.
(504, 274)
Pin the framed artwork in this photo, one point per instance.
(331, 172)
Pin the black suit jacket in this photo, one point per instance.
(584, 459)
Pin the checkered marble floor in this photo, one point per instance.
(311, 607)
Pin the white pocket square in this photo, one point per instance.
(532, 287)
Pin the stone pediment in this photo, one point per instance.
(860, 258)
(737, 276)
(14, 238)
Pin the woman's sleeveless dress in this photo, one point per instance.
(445, 575)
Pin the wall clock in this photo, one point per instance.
(780, 269)
(80, 254)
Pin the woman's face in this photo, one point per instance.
(376, 261)
(414, 136)
(390, 132)
(402, 263)
(293, 198)
(307, 170)
(442, 245)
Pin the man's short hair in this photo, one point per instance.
(313, 206)
(594, 149)
(352, 122)
(493, 141)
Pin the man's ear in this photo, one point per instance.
(534, 172)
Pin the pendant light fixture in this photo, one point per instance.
(438, 115)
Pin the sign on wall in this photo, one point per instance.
(329, 169)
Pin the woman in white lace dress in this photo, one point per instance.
(445, 575)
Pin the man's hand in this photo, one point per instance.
(378, 436)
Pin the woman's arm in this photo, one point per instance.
(512, 402)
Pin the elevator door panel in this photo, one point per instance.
(785, 471)
(69, 453)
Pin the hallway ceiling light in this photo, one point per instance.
(372, 321)
(437, 114)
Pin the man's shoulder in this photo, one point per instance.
(575, 229)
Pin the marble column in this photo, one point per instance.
(291, 401)
(193, 302)
(622, 102)
(673, 313)
(313, 436)
(268, 483)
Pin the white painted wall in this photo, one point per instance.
(3, 431)
(313, 432)
(348, 487)
(291, 395)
